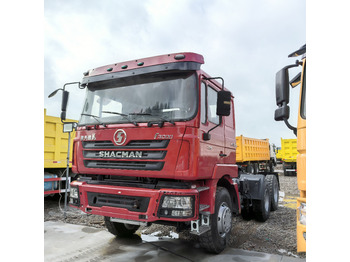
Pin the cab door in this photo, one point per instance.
(230, 137)
(212, 151)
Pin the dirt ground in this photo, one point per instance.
(277, 235)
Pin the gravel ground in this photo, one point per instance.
(277, 235)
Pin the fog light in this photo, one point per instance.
(181, 213)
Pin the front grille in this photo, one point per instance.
(132, 203)
(112, 154)
(136, 155)
(139, 144)
(129, 165)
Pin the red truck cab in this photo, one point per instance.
(156, 144)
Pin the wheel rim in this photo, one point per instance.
(224, 220)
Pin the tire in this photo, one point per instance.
(120, 229)
(216, 238)
(272, 185)
(262, 207)
(250, 169)
(256, 168)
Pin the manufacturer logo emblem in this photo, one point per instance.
(88, 137)
(119, 137)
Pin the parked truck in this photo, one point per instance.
(156, 144)
(289, 156)
(55, 155)
(282, 114)
(278, 152)
(255, 155)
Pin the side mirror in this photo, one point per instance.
(63, 115)
(282, 113)
(282, 87)
(64, 104)
(223, 103)
(65, 96)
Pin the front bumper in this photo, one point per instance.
(130, 203)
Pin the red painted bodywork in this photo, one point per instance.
(188, 157)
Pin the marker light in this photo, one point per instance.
(179, 57)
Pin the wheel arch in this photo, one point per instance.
(232, 189)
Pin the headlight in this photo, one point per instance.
(177, 202)
(74, 196)
(74, 192)
(302, 213)
(176, 206)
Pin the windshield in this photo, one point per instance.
(160, 97)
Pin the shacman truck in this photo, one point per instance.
(156, 144)
(282, 114)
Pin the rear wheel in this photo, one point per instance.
(216, 238)
(250, 168)
(120, 229)
(256, 168)
(272, 185)
(262, 207)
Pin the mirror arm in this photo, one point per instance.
(72, 83)
(206, 136)
(294, 129)
(219, 77)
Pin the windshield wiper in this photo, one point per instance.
(123, 115)
(154, 122)
(95, 117)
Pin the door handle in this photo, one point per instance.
(222, 155)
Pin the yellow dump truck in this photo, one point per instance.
(283, 86)
(55, 154)
(289, 154)
(255, 155)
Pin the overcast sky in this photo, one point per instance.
(245, 42)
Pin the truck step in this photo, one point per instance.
(203, 207)
(202, 230)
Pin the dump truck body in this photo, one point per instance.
(289, 156)
(255, 155)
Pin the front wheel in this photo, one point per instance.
(216, 238)
(120, 229)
